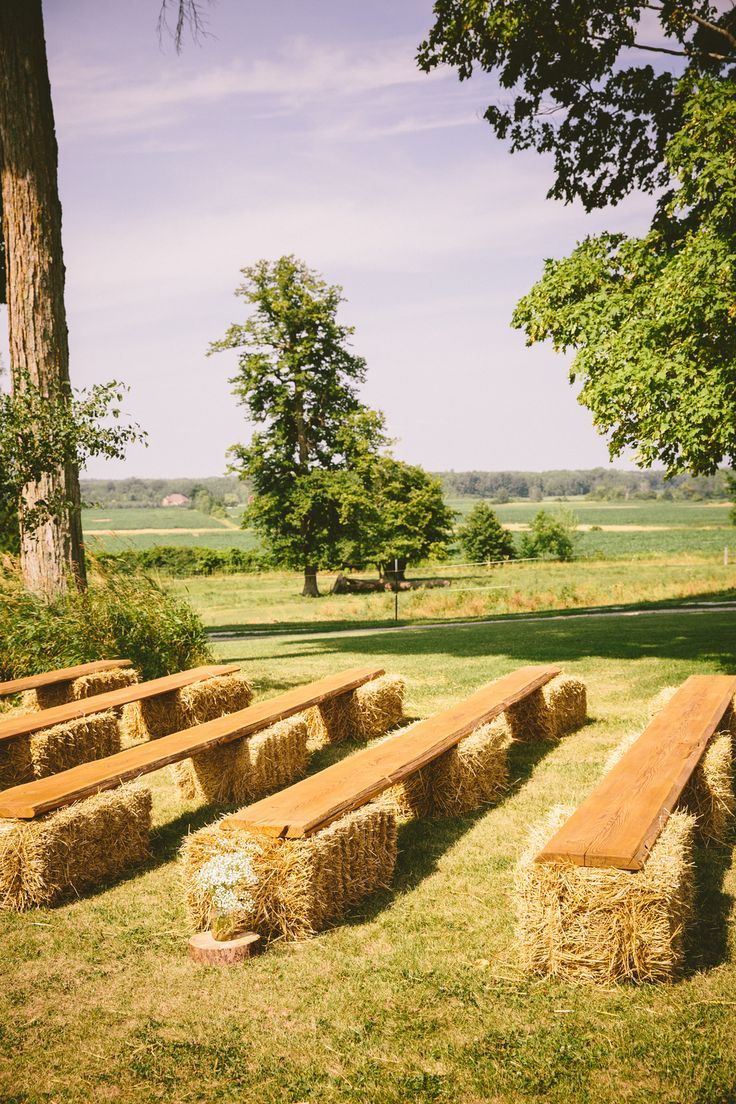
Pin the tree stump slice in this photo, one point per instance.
(208, 951)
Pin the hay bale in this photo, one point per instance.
(79, 741)
(153, 717)
(16, 764)
(246, 769)
(43, 861)
(362, 714)
(606, 926)
(46, 697)
(469, 775)
(709, 795)
(215, 697)
(87, 686)
(552, 711)
(289, 888)
(179, 709)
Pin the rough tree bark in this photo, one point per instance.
(311, 590)
(53, 553)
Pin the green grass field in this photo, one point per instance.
(417, 996)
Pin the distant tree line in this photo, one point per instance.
(597, 483)
(116, 494)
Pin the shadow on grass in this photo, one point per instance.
(707, 943)
(705, 635)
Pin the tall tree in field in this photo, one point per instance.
(298, 380)
(652, 320)
(51, 551)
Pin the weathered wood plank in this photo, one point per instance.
(111, 699)
(63, 674)
(46, 794)
(618, 823)
(315, 802)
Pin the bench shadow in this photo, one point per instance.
(707, 941)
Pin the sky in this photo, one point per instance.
(305, 127)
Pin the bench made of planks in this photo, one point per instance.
(618, 823)
(111, 699)
(313, 803)
(63, 674)
(46, 794)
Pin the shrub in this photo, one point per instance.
(482, 537)
(551, 535)
(119, 615)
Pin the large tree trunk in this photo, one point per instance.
(39, 351)
(310, 583)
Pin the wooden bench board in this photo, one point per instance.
(315, 802)
(46, 794)
(63, 674)
(618, 823)
(27, 723)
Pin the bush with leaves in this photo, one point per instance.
(119, 615)
(187, 560)
(482, 537)
(551, 536)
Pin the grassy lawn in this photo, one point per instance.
(273, 600)
(417, 996)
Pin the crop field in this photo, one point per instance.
(117, 530)
(417, 996)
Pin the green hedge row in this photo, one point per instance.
(186, 560)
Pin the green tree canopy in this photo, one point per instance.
(401, 516)
(551, 535)
(652, 320)
(572, 82)
(297, 378)
(482, 537)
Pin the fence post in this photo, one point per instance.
(396, 590)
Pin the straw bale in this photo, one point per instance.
(362, 714)
(605, 925)
(215, 697)
(79, 741)
(146, 720)
(301, 884)
(709, 795)
(43, 861)
(86, 686)
(46, 697)
(550, 712)
(469, 775)
(246, 769)
(16, 764)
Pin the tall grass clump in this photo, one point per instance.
(119, 615)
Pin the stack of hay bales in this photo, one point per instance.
(51, 750)
(86, 686)
(606, 925)
(551, 712)
(247, 768)
(179, 709)
(364, 713)
(46, 860)
(301, 885)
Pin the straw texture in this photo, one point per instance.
(606, 926)
(246, 769)
(56, 749)
(363, 714)
(43, 861)
(301, 885)
(550, 712)
(201, 701)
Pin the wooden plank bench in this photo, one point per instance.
(618, 823)
(63, 674)
(112, 699)
(317, 801)
(32, 799)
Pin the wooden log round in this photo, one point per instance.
(208, 951)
